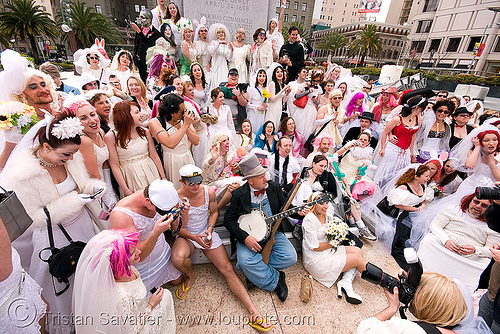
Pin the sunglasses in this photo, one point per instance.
(439, 95)
(443, 111)
(336, 98)
(262, 34)
(483, 205)
(203, 30)
(193, 184)
(367, 88)
(94, 58)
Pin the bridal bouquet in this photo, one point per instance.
(336, 232)
(438, 191)
(17, 114)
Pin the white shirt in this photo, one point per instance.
(293, 167)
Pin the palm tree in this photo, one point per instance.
(367, 43)
(25, 19)
(303, 32)
(332, 41)
(89, 25)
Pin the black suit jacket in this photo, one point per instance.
(241, 204)
(353, 134)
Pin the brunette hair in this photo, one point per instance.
(53, 141)
(124, 123)
(265, 125)
(319, 158)
(448, 178)
(450, 105)
(283, 123)
(257, 32)
(191, 76)
(240, 131)
(278, 144)
(257, 78)
(215, 92)
(93, 100)
(410, 174)
(169, 105)
(275, 80)
(120, 255)
(169, 16)
(170, 80)
(413, 103)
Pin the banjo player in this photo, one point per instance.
(260, 194)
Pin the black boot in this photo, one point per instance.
(281, 288)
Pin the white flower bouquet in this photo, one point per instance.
(337, 233)
(17, 114)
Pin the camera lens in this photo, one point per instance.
(488, 193)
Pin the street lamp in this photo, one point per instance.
(66, 17)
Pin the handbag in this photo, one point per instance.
(14, 216)
(312, 137)
(62, 261)
(301, 102)
(158, 147)
(306, 288)
(388, 209)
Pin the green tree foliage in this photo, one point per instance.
(303, 32)
(24, 19)
(368, 42)
(89, 25)
(332, 41)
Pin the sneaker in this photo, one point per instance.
(367, 234)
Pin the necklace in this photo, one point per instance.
(43, 162)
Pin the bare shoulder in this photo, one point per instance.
(120, 220)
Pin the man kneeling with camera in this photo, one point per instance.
(440, 304)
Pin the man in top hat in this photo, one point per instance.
(145, 211)
(365, 121)
(259, 193)
(235, 95)
(198, 232)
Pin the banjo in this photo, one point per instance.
(258, 225)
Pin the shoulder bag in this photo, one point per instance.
(62, 261)
(13, 214)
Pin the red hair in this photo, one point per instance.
(465, 202)
(439, 166)
(489, 132)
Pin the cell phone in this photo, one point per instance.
(153, 290)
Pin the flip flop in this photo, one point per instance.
(257, 324)
(183, 289)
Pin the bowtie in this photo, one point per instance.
(259, 192)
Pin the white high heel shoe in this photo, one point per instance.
(345, 286)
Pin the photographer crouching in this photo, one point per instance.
(440, 304)
(489, 305)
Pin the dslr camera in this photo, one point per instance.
(488, 192)
(407, 285)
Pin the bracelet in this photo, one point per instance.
(212, 226)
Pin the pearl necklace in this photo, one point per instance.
(43, 162)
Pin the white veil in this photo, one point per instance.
(95, 293)
(470, 324)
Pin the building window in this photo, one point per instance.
(304, 7)
(287, 4)
(431, 5)
(285, 17)
(418, 45)
(424, 26)
(278, 3)
(453, 44)
(294, 18)
(434, 45)
(296, 6)
(302, 20)
(143, 7)
(137, 8)
(127, 7)
(98, 9)
(473, 41)
(497, 47)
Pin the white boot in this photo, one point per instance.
(345, 285)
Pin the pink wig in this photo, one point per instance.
(322, 136)
(120, 255)
(393, 102)
(73, 108)
(155, 67)
(352, 104)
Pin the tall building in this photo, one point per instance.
(296, 11)
(336, 13)
(445, 33)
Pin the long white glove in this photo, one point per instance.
(324, 120)
(109, 198)
(85, 198)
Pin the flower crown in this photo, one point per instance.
(67, 128)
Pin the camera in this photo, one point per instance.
(488, 192)
(407, 285)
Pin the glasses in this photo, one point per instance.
(336, 98)
(262, 34)
(240, 32)
(483, 205)
(440, 95)
(193, 184)
(93, 58)
(204, 30)
(446, 112)
(367, 88)
(463, 115)
(115, 84)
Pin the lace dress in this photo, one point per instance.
(81, 228)
(133, 302)
(325, 266)
(137, 167)
(174, 159)
(19, 286)
(239, 61)
(198, 222)
(157, 269)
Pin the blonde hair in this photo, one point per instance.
(314, 196)
(141, 83)
(438, 300)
